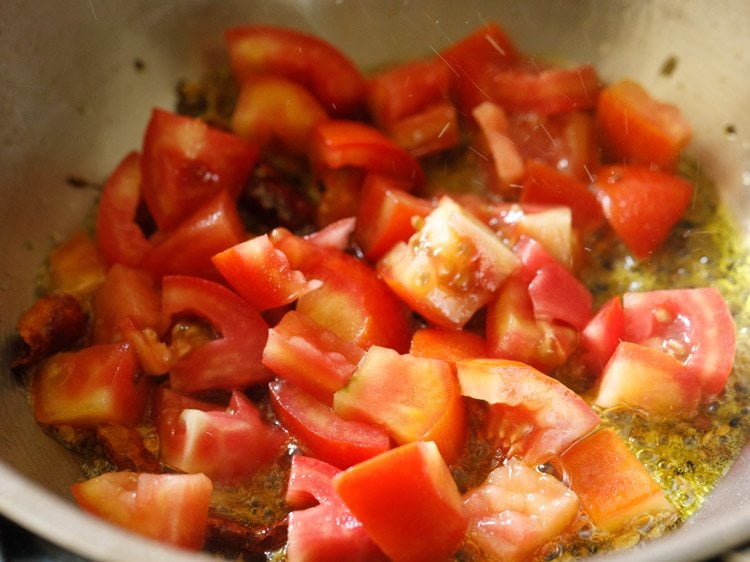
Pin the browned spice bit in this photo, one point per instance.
(232, 538)
(52, 324)
(125, 448)
(139, 65)
(669, 66)
(81, 183)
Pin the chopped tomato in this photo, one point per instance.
(431, 130)
(225, 445)
(185, 163)
(338, 143)
(307, 354)
(600, 336)
(340, 198)
(171, 508)
(547, 186)
(613, 485)
(648, 380)
(551, 416)
(639, 129)
(120, 238)
(514, 332)
(545, 92)
(98, 384)
(155, 357)
(234, 359)
(321, 431)
(517, 510)
(327, 532)
(407, 502)
(126, 293)
(386, 215)
(304, 58)
(448, 345)
(450, 267)
(77, 267)
(273, 109)
(508, 165)
(693, 325)
(412, 398)
(334, 236)
(407, 89)
(261, 274)
(642, 205)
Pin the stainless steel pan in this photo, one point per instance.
(73, 100)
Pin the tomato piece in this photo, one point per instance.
(77, 267)
(546, 186)
(126, 293)
(231, 361)
(227, 445)
(516, 510)
(154, 356)
(352, 302)
(261, 274)
(552, 415)
(548, 91)
(334, 236)
(170, 508)
(613, 485)
(412, 398)
(508, 165)
(321, 432)
(305, 353)
(514, 332)
(693, 325)
(600, 337)
(649, 380)
(642, 205)
(187, 250)
(340, 197)
(639, 129)
(556, 294)
(386, 215)
(450, 267)
(327, 532)
(448, 345)
(407, 89)
(407, 502)
(185, 163)
(274, 109)
(298, 56)
(339, 143)
(118, 236)
(431, 130)
(98, 384)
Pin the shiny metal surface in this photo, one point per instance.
(72, 102)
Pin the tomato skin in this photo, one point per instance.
(521, 396)
(321, 432)
(648, 380)
(546, 186)
(304, 58)
(126, 293)
(311, 356)
(448, 345)
(96, 385)
(233, 360)
(639, 129)
(600, 336)
(171, 508)
(185, 162)
(261, 274)
(611, 482)
(407, 502)
(642, 205)
(386, 215)
(694, 325)
(118, 236)
(227, 446)
(450, 268)
(327, 532)
(411, 398)
(271, 108)
(339, 143)
(516, 510)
